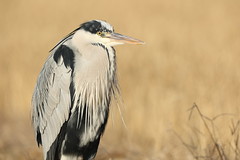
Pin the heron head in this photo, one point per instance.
(97, 31)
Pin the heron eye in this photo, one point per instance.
(99, 33)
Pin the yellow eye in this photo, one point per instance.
(99, 33)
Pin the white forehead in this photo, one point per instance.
(106, 25)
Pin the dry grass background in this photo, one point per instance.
(192, 54)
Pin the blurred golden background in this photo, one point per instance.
(192, 54)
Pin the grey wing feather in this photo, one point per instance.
(51, 101)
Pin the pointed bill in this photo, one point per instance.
(119, 38)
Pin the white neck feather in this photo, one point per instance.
(94, 76)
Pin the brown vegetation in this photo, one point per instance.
(192, 54)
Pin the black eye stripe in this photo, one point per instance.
(107, 30)
(94, 27)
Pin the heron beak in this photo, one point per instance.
(121, 39)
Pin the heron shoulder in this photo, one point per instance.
(67, 55)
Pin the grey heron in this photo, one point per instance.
(70, 103)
